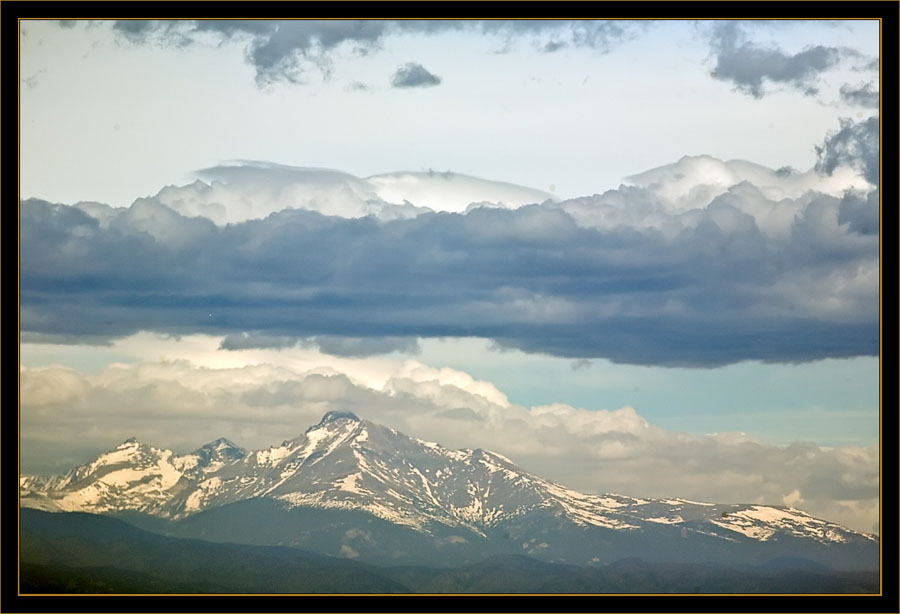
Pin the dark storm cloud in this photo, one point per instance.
(281, 50)
(254, 341)
(860, 213)
(360, 347)
(414, 75)
(715, 291)
(355, 347)
(278, 50)
(749, 66)
(855, 144)
(863, 95)
(142, 31)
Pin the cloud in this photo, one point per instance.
(694, 182)
(855, 144)
(353, 347)
(449, 191)
(553, 46)
(246, 190)
(160, 32)
(246, 341)
(750, 66)
(862, 95)
(284, 51)
(871, 65)
(435, 383)
(581, 363)
(278, 50)
(178, 405)
(700, 264)
(414, 75)
(860, 213)
(359, 347)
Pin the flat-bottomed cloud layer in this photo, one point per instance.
(702, 263)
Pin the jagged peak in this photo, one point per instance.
(222, 448)
(334, 416)
(222, 442)
(128, 442)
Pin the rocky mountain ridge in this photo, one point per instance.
(344, 463)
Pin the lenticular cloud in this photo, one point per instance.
(253, 190)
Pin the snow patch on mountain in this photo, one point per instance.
(274, 455)
(676, 519)
(199, 497)
(186, 462)
(123, 453)
(761, 522)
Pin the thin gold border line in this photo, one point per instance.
(19, 301)
(880, 339)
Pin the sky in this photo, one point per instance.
(633, 256)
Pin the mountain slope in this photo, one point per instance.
(85, 553)
(99, 554)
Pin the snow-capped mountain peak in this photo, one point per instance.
(334, 416)
(353, 465)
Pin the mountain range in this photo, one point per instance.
(75, 552)
(353, 489)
